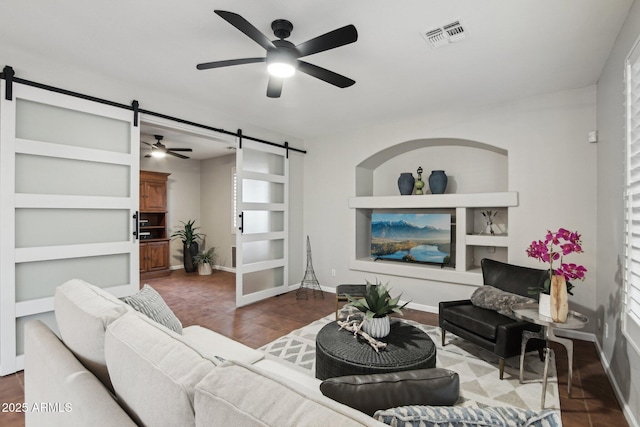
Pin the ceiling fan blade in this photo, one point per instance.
(180, 149)
(324, 74)
(274, 88)
(336, 38)
(147, 155)
(176, 154)
(150, 145)
(218, 64)
(245, 26)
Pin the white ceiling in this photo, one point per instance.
(203, 148)
(513, 49)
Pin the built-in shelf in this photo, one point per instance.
(470, 246)
(501, 241)
(471, 276)
(474, 200)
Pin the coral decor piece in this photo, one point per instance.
(355, 326)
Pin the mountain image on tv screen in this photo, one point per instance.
(424, 238)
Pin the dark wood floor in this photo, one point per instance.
(209, 301)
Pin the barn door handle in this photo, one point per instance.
(241, 222)
(136, 226)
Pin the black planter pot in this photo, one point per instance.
(189, 253)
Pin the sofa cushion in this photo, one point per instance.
(53, 375)
(370, 393)
(480, 321)
(236, 394)
(434, 416)
(149, 302)
(83, 312)
(497, 300)
(154, 371)
(212, 344)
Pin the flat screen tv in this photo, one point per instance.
(411, 237)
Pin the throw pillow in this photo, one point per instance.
(369, 393)
(497, 300)
(434, 416)
(149, 302)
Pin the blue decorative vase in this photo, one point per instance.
(405, 183)
(438, 182)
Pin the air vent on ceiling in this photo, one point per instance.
(446, 34)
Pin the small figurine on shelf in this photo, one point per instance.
(419, 182)
(489, 216)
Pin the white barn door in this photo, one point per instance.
(262, 236)
(69, 172)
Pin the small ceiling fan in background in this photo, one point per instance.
(160, 150)
(282, 55)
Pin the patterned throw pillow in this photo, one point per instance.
(497, 300)
(438, 416)
(149, 302)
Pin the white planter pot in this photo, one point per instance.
(204, 269)
(544, 305)
(377, 327)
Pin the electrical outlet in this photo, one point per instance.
(606, 330)
(333, 272)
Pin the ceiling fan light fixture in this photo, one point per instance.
(281, 63)
(281, 69)
(158, 154)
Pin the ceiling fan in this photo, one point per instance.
(160, 150)
(282, 55)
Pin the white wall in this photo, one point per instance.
(622, 360)
(216, 200)
(551, 165)
(183, 196)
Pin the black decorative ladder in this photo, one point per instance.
(310, 281)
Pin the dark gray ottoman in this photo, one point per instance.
(339, 353)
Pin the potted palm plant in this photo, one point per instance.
(189, 236)
(377, 304)
(206, 260)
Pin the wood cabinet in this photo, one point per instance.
(154, 240)
(153, 191)
(154, 258)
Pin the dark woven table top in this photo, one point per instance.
(339, 353)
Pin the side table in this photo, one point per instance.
(529, 313)
(352, 290)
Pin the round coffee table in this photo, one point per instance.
(339, 353)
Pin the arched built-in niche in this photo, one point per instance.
(472, 167)
(478, 181)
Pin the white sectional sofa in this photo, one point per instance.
(117, 367)
(114, 366)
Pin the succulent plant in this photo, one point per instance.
(377, 302)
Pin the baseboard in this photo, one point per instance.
(422, 307)
(411, 305)
(217, 267)
(628, 414)
(573, 334)
(227, 269)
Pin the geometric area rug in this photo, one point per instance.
(480, 385)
